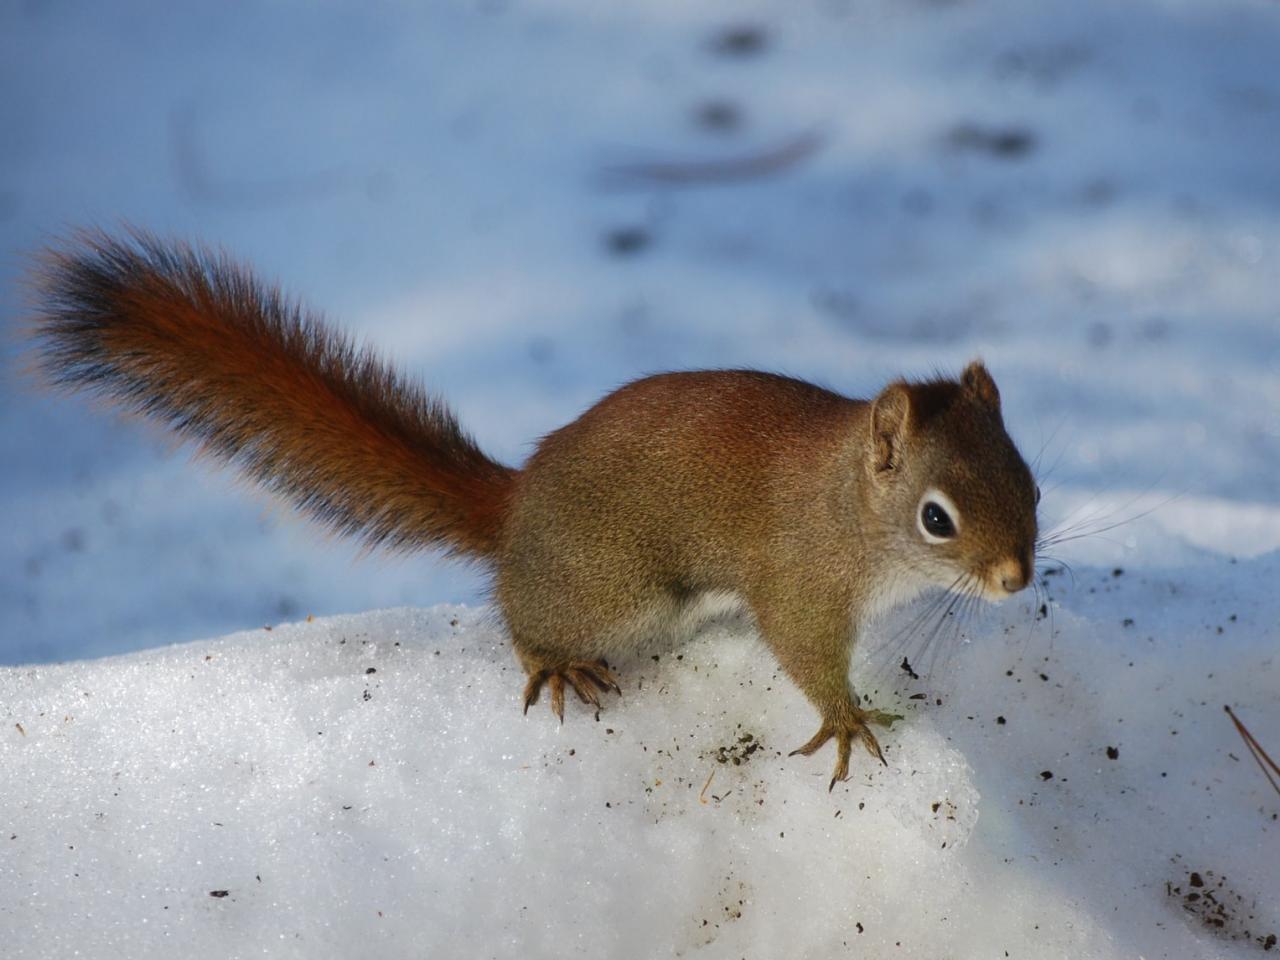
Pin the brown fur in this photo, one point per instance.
(673, 496)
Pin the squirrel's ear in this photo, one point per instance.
(889, 412)
(978, 384)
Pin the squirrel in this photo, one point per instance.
(674, 498)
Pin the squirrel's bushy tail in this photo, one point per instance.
(193, 339)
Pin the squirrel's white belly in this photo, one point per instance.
(672, 622)
(710, 605)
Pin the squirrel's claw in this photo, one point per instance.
(581, 684)
(843, 742)
(556, 683)
(533, 688)
(882, 717)
(872, 744)
(602, 677)
(824, 734)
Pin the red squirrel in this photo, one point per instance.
(673, 498)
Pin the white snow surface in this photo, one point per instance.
(367, 786)
(1082, 192)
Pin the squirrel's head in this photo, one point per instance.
(950, 488)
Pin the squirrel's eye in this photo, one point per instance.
(937, 521)
(1037, 495)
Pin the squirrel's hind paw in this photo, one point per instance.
(583, 676)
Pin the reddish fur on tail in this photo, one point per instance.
(193, 339)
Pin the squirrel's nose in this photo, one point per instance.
(1012, 575)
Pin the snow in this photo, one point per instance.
(367, 786)
(1083, 193)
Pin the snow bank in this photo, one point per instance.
(367, 786)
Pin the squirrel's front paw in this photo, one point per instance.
(849, 723)
(584, 676)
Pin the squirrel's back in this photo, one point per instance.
(705, 440)
(683, 478)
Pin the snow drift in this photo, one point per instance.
(1066, 784)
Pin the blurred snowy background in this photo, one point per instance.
(1083, 193)
(526, 203)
